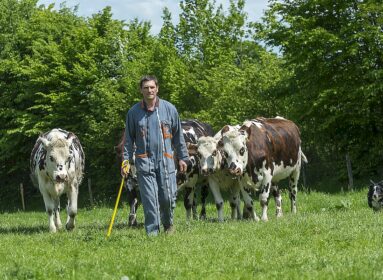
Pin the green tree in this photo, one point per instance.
(61, 70)
(334, 50)
(223, 76)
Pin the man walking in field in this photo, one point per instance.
(153, 127)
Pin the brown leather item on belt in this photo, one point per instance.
(168, 155)
(142, 155)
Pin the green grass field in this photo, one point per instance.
(332, 237)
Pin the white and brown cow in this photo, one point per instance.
(211, 164)
(192, 131)
(57, 166)
(263, 152)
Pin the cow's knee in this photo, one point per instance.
(219, 205)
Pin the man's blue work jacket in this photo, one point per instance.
(153, 135)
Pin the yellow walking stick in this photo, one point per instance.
(125, 166)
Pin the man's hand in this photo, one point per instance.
(183, 166)
(125, 167)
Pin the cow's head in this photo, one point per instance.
(375, 195)
(235, 151)
(208, 155)
(58, 157)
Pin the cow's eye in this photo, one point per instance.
(214, 153)
(51, 158)
(242, 151)
(225, 155)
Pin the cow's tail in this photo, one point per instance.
(304, 158)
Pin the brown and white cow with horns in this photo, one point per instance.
(263, 152)
(57, 166)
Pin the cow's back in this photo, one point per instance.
(272, 142)
(194, 129)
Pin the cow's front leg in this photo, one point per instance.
(188, 201)
(235, 204)
(72, 206)
(278, 200)
(217, 198)
(264, 199)
(133, 205)
(293, 189)
(249, 211)
(204, 194)
(49, 207)
(56, 213)
(235, 207)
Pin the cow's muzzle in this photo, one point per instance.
(61, 179)
(234, 170)
(207, 172)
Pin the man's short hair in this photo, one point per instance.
(148, 78)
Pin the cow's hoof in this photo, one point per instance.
(202, 217)
(69, 226)
(52, 230)
(265, 219)
(132, 221)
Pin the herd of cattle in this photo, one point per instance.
(240, 160)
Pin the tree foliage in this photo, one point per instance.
(335, 50)
(81, 74)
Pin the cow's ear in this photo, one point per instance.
(70, 137)
(44, 141)
(245, 130)
(225, 129)
(192, 149)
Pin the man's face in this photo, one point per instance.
(149, 90)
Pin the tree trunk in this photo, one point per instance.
(349, 172)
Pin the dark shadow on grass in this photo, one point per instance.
(31, 230)
(26, 230)
(122, 225)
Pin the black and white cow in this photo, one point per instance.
(211, 164)
(131, 185)
(57, 166)
(192, 131)
(263, 152)
(375, 195)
